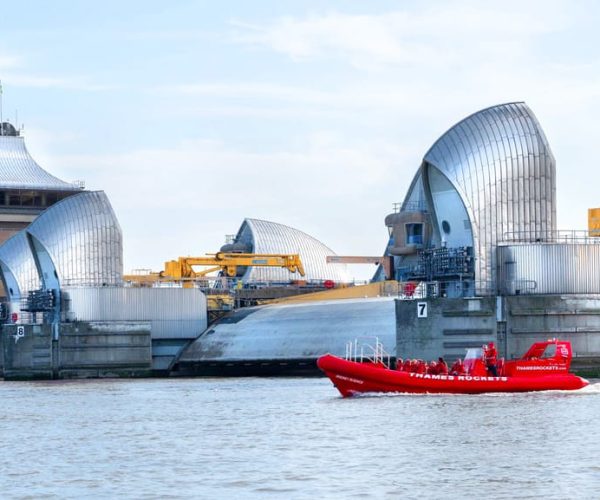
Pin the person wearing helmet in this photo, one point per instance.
(491, 359)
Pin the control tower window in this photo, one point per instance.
(414, 234)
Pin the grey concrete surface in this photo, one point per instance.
(83, 350)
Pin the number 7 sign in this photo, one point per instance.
(421, 309)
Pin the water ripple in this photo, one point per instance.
(291, 438)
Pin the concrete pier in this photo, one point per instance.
(82, 350)
(449, 326)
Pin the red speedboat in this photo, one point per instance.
(545, 366)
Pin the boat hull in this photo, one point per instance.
(352, 378)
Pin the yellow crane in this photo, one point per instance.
(183, 269)
(229, 263)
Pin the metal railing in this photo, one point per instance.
(568, 236)
(223, 283)
(517, 287)
(415, 290)
(365, 352)
(409, 206)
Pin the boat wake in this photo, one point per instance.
(593, 388)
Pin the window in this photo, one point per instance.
(414, 234)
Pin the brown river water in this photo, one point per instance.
(291, 438)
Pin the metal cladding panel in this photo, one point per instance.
(18, 170)
(500, 163)
(296, 331)
(174, 312)
(270, 237)
(83, 237)
(547, 268)
(17, 259)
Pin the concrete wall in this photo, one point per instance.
(514, 322)
(83, 350)
(449, 327)
(104, 349)
(570, 317)
(27, 352)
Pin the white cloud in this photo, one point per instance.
(197, 191)
(251, 89)
(73, 82)
(358, 99)
(15, 73)
(442, 35)
(8, 61)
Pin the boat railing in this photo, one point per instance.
(367, 350)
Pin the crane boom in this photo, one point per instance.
(228, 263)
(184, 268)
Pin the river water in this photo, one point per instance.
(291, 438)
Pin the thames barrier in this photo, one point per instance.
(474, 256)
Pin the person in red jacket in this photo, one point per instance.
(421, 366)
(491, 359)
(432, 368)
(458, 368)
(442, 367)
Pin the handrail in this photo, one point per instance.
(367, 353)
(568, 236)
(418, 290)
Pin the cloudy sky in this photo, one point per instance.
(193, 115)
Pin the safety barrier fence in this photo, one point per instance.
(414, 290)
(564, 236)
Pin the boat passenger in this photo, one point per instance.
(399, 364)
(432, 369)
(421, 366)
(442, 366)
(407, 365)
(458, 368)
(491, 359)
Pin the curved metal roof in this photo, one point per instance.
(83, 238)
(500, 163)
(20, 274)
(269, 237)
(295, 331)
(18, 170)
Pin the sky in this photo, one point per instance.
(193, 115)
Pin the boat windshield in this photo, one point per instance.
(474, 353)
